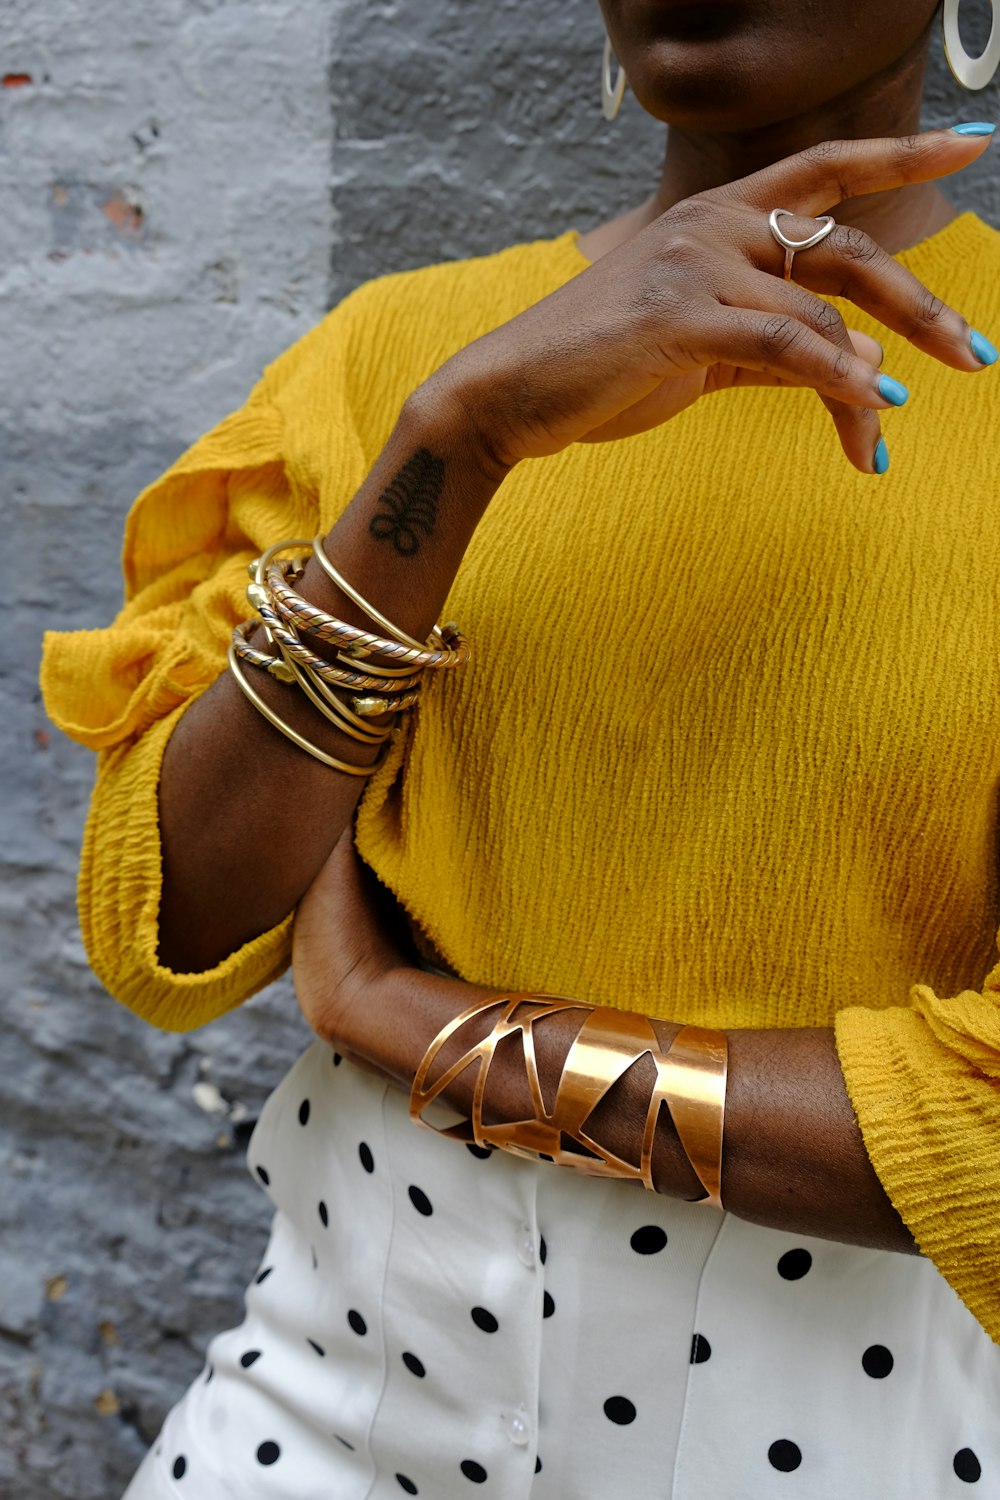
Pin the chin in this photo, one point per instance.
(704, 66)
(713, 95)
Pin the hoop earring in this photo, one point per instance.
(612, 94)
(971, 72)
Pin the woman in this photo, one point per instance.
(724, 757)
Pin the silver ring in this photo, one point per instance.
(827, 224)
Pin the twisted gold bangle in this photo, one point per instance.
(287, 670)
(319, 553)
(280, 630)
(276, 666)
(453, 652)
(322, 699)
(286, 729)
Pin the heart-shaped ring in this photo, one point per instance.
(827, 224)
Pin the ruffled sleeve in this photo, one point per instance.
(121, 690)
(924, 1081)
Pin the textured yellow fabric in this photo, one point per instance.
(728, 749)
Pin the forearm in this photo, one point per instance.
(247, 818)
(794, 1158)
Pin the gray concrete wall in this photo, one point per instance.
(185, 186)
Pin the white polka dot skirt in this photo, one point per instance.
(432, 1319)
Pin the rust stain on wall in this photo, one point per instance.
(126, 217)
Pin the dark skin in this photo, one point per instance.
(685, 297)
(795, 73)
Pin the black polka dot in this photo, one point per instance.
(406, 1484)
(784, 1455)
(481, 1152)
(367, 1160)
(648, 1240)
(347, 1445)
(209, 1374)
(473, 1471)
(357, 1322)
(318, 1347)
(264, 1176)
(414, 1365)
(268, 1453)
(304, 1112)
(619, 1409)
(967, 1465)
(249, 1358)
(324, 1217)
(484, 1320)
(543, 1250)
(421, 1202)
(538, 1464)
(337, 1059)
(701, 1349)
(264, 1274)
(315, 1262)
(877, 1361)
(794, 1264)
(181, 1463)
(548, 1305)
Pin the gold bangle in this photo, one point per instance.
(697, 1066)
(316, 691)
(275, 666)
(287, 670)
(357, 728)
(319, 553)
(282, 630)
(453, 651)
(692, 1085)
(286, 729)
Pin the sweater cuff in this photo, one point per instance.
(931, 1125)
(120, 882)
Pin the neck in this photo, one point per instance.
(697, 160)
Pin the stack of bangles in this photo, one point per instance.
(381, 674)
(352, 689)
(690, 1081)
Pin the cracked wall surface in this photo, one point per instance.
(186, 186)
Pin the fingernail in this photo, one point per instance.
(881, 355)
(892, 390)
(982, 348)
(974, 127)
(880, 459)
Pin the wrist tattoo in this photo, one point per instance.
(409, 504)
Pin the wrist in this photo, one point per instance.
(450, 413)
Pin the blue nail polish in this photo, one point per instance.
(880, 462)
(974, 127)
(892, 390)
(983, 349)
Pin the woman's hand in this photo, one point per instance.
(696, 303)
(348, 934)
(795, 1159)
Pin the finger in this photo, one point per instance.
(767, 294)
(858, 427)
(850, 264)
(721, 377)
(780, 344)
(824, 175)
(867, 348)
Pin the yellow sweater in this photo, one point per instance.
(728, 749)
